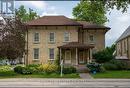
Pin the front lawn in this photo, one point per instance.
(12, 74)
(112, 74)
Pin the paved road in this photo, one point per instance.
(64, 83)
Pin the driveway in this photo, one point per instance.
(64, 83)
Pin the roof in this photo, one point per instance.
(125, 34)
(92, 25)
(53, 20)
(76, 45)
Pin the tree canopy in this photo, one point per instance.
(94, 10)
(25, 15)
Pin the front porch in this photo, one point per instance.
(75, 53)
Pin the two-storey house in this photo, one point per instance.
(73, 41)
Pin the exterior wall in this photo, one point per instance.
(44, 44)
(123, 48)
(99, 38)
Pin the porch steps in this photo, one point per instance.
(82, 69)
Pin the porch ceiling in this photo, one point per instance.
(76, 45)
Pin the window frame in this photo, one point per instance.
(51, 54)
(67, 36)
(34, 36)
(34, 54)
(49, 38)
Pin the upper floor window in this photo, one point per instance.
(51, 53)
(52, 37)
(36, 53)
(66, 36)
(36, 38)
(91, 38)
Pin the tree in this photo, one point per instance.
(94, 10)
(13, 39)
(104, 55)
(25, 16)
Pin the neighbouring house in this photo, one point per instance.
(123, 45)
(52, 37)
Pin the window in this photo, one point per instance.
(91, 38)
(66, 37)
(52, 37)
(51, 53)
(36, 37)
(36, 53)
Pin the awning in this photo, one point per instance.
(76, 45)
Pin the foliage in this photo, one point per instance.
(104, 55)
(5, 68)
(12, 42)
(33, 67)
(48, 68)
(69, 70)
(25, 15)
(95, 67)
(22, 70)
(93, 12)
(115, 65)
(18, 69)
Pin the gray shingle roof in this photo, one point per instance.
(124, 35)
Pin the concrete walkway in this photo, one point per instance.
(85, 76)
(64, 83)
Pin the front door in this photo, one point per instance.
(81, 57)
(67, 57)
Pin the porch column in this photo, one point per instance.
(76, 56)
(90, 53)
(60, 55)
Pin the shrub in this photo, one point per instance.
(48, 68)
(18, 69)
(69, 70)
(95, 67)
(5, 68)
(26, 70)
(22, 70)
(115, 65)
(33, 67)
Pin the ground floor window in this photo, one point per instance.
(36, 53)
(51, 53)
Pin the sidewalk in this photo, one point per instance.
(64, 83)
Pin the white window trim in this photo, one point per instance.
(34, 38)
(49, 54)
(33, 55)
(54, 38)
(64, 36)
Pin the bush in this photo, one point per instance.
(22, 70)
(95, 67)
(48, 68)
(115, 65)
(69, 70)
(26, 70)
(102, 56)
(33, 67)
(18, 69)
(5, 68)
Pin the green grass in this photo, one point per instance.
(112, 74)
(11, 74)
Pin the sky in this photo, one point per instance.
(118, 21)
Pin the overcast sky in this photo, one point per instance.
(118, 22)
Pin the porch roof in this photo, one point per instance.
(76, 45)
